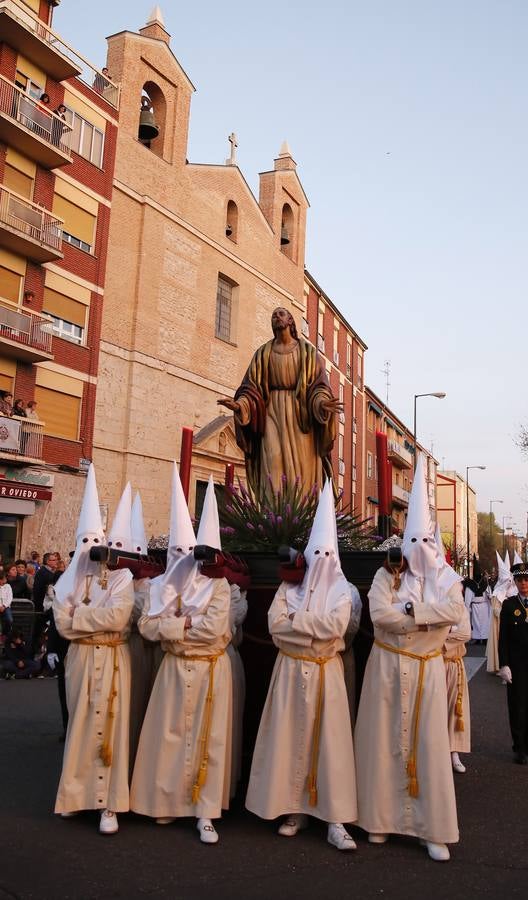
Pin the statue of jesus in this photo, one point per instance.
(284, 411)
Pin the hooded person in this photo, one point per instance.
(405, 779)
(303, 762)
(183, 762)
(504, 587)
(513, 660)
(237, 614)
(458, 712)
(477, 600)
(92, 609)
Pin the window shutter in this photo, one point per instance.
(64, 307)
(59, 411)
(77, 221)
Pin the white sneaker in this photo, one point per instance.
(456, 762)
(378, 838)
(339, 837)
(438, 852)
(165, 820)
(108, 823)
(208, 833)
(292, 824)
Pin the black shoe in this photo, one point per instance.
(521, 759)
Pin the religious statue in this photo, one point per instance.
(285, 412)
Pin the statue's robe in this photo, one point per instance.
(282, 426)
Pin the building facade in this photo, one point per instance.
(400, 452)
(453, 497)
(58, 129)
(196, 265)
(343, 352)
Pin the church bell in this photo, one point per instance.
(148, 130)
(285, 237)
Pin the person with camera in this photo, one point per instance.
(183, 762)
(404, 773)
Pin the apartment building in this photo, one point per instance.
(343, 352)
(58, 129)
(400, 458)
(454, 516)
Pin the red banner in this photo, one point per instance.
(14, 490)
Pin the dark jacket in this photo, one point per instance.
(513, 632)
(42, 579)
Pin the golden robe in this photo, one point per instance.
(86, 783)
(456, 681)
(282, 426)
(281, 760)
(168, 755)
(383, 734)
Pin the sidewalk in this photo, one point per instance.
(45, 857)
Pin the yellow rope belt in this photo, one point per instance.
(422, 659)
(311, 782)
(201, 775)
(105, 753)
(459, 702)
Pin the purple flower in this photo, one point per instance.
(295, 520)
(226, 529)
(279, 520)
(229, 508)
(261, 527)
(250, 526)
(284, 478)
(271, 517)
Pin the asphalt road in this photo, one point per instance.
(43, 856)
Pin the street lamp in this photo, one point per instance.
(440, 395)
(493, 501)
(467, 513)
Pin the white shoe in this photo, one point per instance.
(165, 820)
(378, 838)
(108, 823)
(68, 815)
(292, 824)
(438, 852)
(456, 762)
(339, 837)
(208, 833)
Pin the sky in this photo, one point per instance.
(407, 120)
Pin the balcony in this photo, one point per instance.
(26, 33)
(25, 335)
(399, 496)
(399, 455)
(30, 127)
(29, 230)
(21, 439)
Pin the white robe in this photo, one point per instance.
(480, 612)
(383, 734)
(281, 760)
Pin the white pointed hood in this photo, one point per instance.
(516, 558)
(419, 544)
(507, 561)
(72, 583)
(209, 528)
(505, 585)
(182, 586)
(324, 587)
(120, 534)
(137, 527)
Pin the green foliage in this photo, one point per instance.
(488, 541)
(284, 517)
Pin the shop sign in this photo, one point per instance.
(10, 490)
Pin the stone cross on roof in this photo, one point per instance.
(234, 144)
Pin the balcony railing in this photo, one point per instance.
(400, 495)
(30, 329)
(21, 437)
(399, 455)
(76, 64)
(40, 122)
(32, 224)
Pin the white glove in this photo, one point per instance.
(52, 659)
(505, 674)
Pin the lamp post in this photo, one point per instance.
(504, 533)
(440, 395)
(467, 512)
(491, 502)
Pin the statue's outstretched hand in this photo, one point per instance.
(332, 405)
(233, 405)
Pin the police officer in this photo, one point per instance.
(513, 660)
